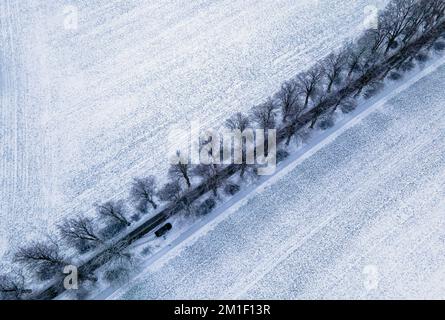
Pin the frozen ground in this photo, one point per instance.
(84, 111)
(362, 218)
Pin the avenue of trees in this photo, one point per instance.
(408, 31)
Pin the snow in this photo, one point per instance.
(3, 246)
(84, 111)
(361, 217)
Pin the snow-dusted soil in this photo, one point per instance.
(84, 111)
(361, 218)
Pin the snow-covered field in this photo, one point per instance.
(84, 111)
(361, 218)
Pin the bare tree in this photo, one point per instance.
(291, 130)
(210, 176)
(43, 258)
(396, 19)
(354, 54)
(79, 232)
(374, 39)
(143, 191)
(116, 252)
(309, 82)
(180, 170)
(435, 14)
(12, 287)
(238, 121)
(264, 115)
(118, 261)
(171, 191)
(422, 10)
(322, 101)
(289, 99)
(113, 211)
(334, 65)
(365, 71)
(346, 104)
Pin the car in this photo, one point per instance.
(163, 230)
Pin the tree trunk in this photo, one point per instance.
(187, 180)
(331, 82)
(313, 122)
(243, 170)
(359, 92)
(306, 101)
(153, 204)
